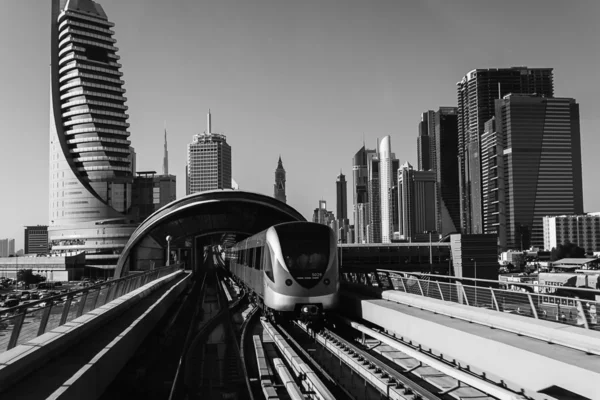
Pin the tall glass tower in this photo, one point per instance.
(90, 155)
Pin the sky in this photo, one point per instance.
(308, 80)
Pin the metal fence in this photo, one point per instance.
(537, 302)
(22, 323)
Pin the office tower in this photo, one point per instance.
(393, 196)
(542, 163)
(279, 187)
(90, 155)
(477, 92)
(322, 216)
(426, 142)
(133, 160)
(446, 170)
(416, 198)
(492, 183)
(36, 239)
(373, 193)
(151, 192)
(209, 161)
(582, 230)
(360, 193)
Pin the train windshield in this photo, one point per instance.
(305, 249)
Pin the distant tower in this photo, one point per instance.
(166, 157)
(342, 197)
(279, 187)
(209, 161)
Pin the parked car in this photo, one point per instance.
(25, 296)
(10, 303)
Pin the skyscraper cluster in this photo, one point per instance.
(506, 157)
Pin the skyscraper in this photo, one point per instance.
(446, 170)
(279, 186)
(373, 188)
(477, 92)
(90, 157)
(165, 170)
(542, 163)
(360, 193)
(209, 162)
(151, 192)
(36, 239)
(416, 198)
(385, 186)
(341, 197)
(426, 142)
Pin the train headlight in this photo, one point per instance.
(326, 281)
(288, 282)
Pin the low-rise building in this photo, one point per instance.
(583, 230)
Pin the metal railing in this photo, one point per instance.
(577, 309)
(25, 322)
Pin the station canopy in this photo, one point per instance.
(205, 218)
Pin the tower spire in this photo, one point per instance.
(208, 123)
(166, 155)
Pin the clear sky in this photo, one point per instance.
(304, 79)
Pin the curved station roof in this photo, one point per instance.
(212, 216)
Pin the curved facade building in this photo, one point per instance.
(90, 155)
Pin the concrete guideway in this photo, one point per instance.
(80, 358)
(503, 356)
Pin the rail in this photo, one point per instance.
(488, 294)
(25, 322)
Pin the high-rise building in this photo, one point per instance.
(90, 157)
(446, 170)
(426, 142)
(7, 247)
(492, 183)
(360, 193)
(386, 184)
(165, 170)
(582, 230)
(279, 187)
(416, 198)
(151, 192)
(341, 197)
(542, 164)
(374, 195)
(477, 92)
(343, 224)
(36, 239)
(209, 162)
(322, 216)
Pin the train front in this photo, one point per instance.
(306, 270)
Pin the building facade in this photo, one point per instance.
(373, 188)
(7, 247)
(582, 230)
(542, 164)
(447, 170)
(36, 239)
(90, 157)
(151, 192)
(477, 92)
(426, 142)
(208, 162)
(386, 184)
(360, 193)
(416, 202)
(279, 186)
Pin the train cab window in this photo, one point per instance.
(305, 249)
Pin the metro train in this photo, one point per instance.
(291, 269)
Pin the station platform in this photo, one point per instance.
(80, 358)
(503, 355)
